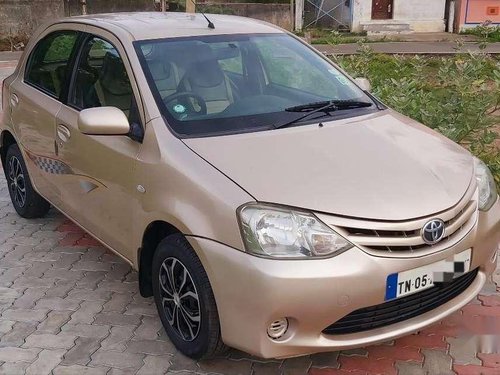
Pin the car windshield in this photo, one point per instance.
(212, 85)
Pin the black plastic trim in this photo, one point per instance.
(401, 309)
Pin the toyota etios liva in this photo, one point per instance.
(267, 200)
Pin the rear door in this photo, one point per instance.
(99, 192)
(35, 101)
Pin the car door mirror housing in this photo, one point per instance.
(364, 84)
(103, 121)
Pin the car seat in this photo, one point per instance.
(113, 86)
(165, 75)
(206, 78)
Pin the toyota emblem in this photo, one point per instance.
(433, 231)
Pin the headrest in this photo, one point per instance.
(160, 70)
(114, 76)
(206, 73)
(112, 66)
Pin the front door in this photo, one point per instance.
(99, 191)
(382, 9)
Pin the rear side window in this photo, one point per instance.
(48, 63)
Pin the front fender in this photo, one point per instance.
(182, 189)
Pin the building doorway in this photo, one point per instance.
(382, 9)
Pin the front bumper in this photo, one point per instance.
(251, 292)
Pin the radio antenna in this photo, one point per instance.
(210, 23)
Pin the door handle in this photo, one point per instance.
(63, 133)
(14, 100)
(389, 8)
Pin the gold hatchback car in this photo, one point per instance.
(268, 201)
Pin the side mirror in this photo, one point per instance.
(103, 121)
(364, 83)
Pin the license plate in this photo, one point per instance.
(418, 279)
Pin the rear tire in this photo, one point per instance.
(26, 201)
(185, 300)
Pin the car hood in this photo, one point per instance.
(382, 166)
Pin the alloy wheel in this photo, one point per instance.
(17, 183)
(180, 299)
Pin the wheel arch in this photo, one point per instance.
(6, 140)
(155, 232)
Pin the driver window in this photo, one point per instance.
(101, 79)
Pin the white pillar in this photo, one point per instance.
(299, 15)
(190, 6)
(451, 17)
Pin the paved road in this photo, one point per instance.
(413, 48)
(6, 69)
(68, 306)
(9, 56)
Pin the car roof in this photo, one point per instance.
(155, 25)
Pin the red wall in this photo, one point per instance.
(473, 12)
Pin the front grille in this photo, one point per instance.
(382, 237)
(402, 308)
(411, 240)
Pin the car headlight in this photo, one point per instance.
(280, 232)
(486, 185)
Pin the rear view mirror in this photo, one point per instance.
(103, 121)
(364, 83)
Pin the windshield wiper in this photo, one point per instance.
(321, 106)
(325, 106)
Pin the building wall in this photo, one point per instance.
(18, 18)
(277, 14)
(471, 13)
(420, 15)
(73, 7)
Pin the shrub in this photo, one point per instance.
(486, 31)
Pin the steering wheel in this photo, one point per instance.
(187, 94)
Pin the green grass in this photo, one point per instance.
(489, 34)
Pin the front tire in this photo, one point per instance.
(185, 300)
(26, 201)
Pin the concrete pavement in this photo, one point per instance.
(424, 37)
(6, 69)
(10, 56)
